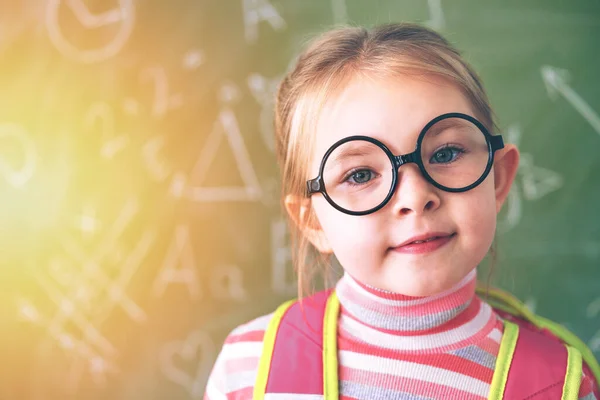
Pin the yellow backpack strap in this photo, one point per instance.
(505, 301)
(264, 365)
(330, 356)
(504, 360)
(573, 375)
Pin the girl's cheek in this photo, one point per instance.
(354, 234)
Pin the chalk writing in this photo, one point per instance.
(123, 15)
(179, 265)
(198, 348)
(17, 175)
(256, 11)
(227, 126)
(556, 80)
(100, 113)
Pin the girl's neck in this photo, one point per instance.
(407, 315)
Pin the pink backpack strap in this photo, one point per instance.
(297, 357)
(538, 367)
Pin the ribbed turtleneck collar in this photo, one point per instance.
(445, 319)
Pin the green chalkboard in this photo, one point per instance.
(140, 219)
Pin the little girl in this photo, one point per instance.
(390, 161)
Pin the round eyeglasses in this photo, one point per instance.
(359, 174)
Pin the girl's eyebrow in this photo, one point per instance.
(449, 123)
(353, 151)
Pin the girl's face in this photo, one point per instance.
(369, 247)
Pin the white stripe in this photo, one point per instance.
(407, 303)
(232, 351)
(240, 380)
(292, 396)
(406, 369)
(435, 340)
(495, 335)
(213, 393)
(258, 324)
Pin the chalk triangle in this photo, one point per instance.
(250, 190)
(538, 181)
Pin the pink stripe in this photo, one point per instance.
(490, 345)
(252, 336)
(241, 394)
(235, 365)
(387, 295)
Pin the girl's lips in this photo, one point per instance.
(426, 246)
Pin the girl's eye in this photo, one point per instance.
(446, 155)
(359, 177)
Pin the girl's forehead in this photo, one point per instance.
(392, 110)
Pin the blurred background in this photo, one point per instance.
(139, 211)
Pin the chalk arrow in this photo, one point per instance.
(555, 80)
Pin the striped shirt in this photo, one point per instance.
(391, 346)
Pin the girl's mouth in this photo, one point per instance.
(424, 243)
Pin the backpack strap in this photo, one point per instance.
(504, 361)
(330, 351)
(543, 368)
(573, 375)
(264, 365)
(299, 357)
(576, 348)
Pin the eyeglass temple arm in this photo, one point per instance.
(314, 186)
(497, 142)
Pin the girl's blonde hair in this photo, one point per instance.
(322, 70)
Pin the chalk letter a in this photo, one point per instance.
(179, 265)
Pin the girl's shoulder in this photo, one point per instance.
(250, 331)
(542, 351)
(540, 344)
(510, 308)
(246, 340)
(234, 372)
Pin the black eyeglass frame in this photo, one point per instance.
(494, 142)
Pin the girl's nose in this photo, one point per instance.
(414, 194)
